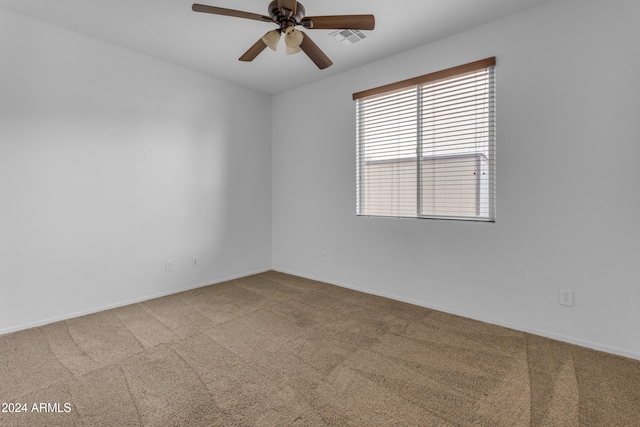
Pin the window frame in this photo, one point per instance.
(419, 83)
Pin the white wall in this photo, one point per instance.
(567, 192)
(112, 162)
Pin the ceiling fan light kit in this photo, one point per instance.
(288, 14)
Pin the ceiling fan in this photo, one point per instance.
(288, 14)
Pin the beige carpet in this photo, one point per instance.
(278, 350)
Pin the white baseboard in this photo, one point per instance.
(533, 331)
(542, 333)
(123, 303)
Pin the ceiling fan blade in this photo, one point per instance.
(253, 51)
(340, 22)
(288, 7)
(315, 53)
(229, 12)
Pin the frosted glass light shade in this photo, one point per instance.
(293, 50)
(293, 39)
(271, 39)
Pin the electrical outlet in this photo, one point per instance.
(168, 266)
(194, 262)
(566, 297)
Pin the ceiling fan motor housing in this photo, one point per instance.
(283, 20)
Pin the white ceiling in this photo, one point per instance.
(169, 30)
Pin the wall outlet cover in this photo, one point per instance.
(566, 297)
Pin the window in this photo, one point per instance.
(426, 146)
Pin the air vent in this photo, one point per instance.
(348, 37)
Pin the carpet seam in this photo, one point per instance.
(131, 332)
(133, 399)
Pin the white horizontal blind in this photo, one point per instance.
(428, 150)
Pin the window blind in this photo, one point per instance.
(426, 146)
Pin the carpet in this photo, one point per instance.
(278, 350)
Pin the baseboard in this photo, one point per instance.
(533, 331)
(538, 332)
(124, 303)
